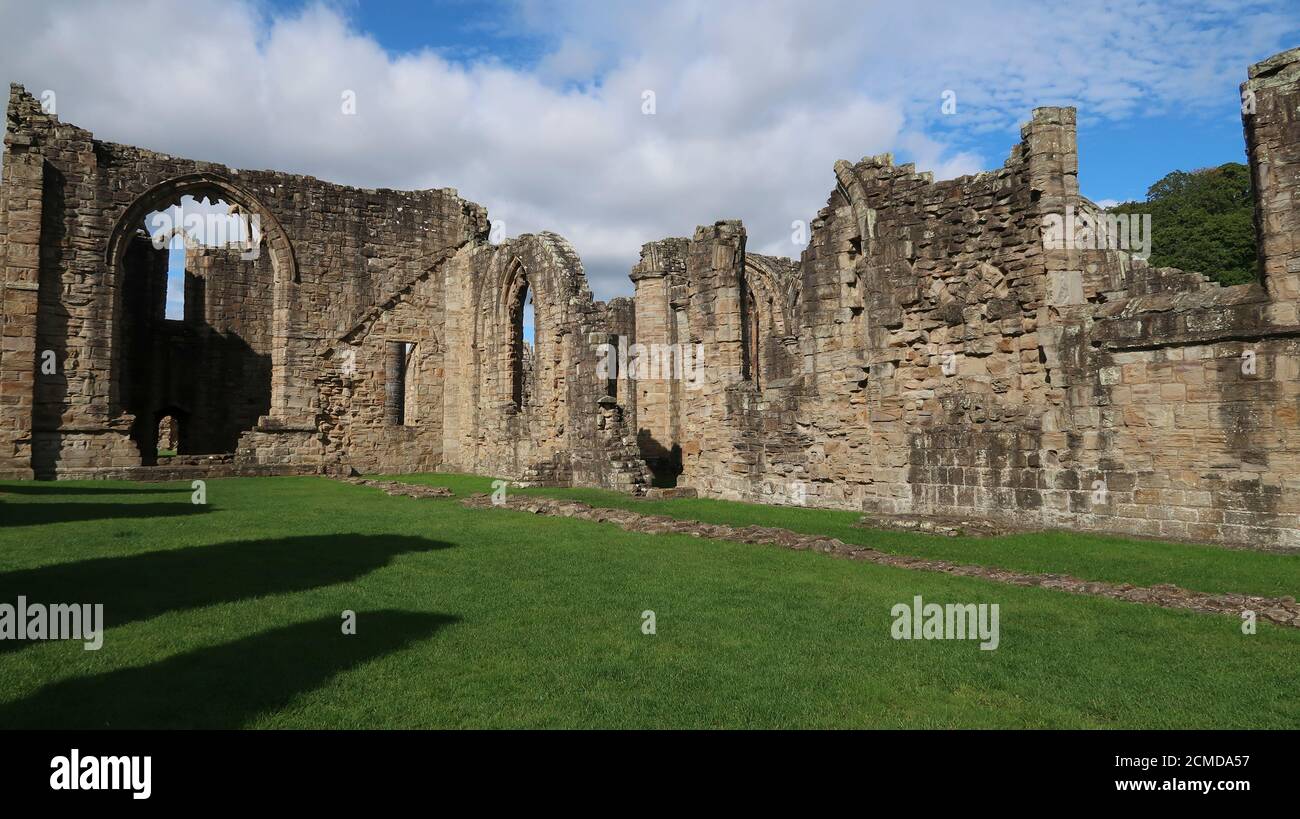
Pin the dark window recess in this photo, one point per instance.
(395, 383)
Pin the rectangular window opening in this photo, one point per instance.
(399, 387)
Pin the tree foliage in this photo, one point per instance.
(1203, 221)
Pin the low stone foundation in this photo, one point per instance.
(160, 474)
(409, 490)
(670, 493)
(939, 525)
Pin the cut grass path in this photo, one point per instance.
(1111, 559)
(229, 614)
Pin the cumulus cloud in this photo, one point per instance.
(754, 101)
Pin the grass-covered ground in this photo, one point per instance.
(229, 615)
(1089, 556)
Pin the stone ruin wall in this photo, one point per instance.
(377, 331)
(286, 359)
(569, 428)
(72, 203)
(1075, 370)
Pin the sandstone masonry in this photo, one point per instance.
(929, 354)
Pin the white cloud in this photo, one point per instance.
(196, 219)
(755, 100)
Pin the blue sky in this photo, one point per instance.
(534, 108)
(466, 31)
(175, 306)
(1119, 158)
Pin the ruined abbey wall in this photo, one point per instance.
(949, 361)
(292, 356)
(568, 428)
(929, 353)
(73, 207)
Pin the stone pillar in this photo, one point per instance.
(1051, 161)
(1050, 147)
(460, 395)
(715, 270)
(1052, 154)
(711, 459)
(657, 399)
(20, 200)
(1270, 103)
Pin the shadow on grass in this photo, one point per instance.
(53, 488)
(224, 686)
(142, 586)
(36, 514)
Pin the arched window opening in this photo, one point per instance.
(751, 338)
(523, 348)
(196, 322)
(532, 361)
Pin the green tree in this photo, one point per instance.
(1204, 221)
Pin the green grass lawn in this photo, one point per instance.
(1089, 556)
(229, 615)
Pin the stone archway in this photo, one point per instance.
(287, 401)
(141, 377)
(499, 433)
(514, 302)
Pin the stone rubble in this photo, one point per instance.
(409, 490)
(944, 526)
